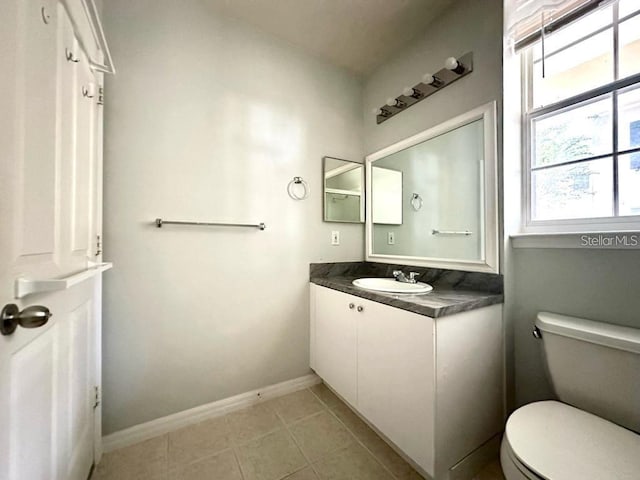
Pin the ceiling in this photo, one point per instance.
(356, 34)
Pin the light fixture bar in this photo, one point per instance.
(455, 68)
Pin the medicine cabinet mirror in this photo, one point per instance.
(433, 197)
(343, 190)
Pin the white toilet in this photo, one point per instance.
(592, 433)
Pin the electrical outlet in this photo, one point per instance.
(391, 238)
(335, 237)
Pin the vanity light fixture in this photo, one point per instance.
(454, 69)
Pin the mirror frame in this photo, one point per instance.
(490, 241)
(324, 191)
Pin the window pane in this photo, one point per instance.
(576, 31)
(629, 34)
(629, 119)
(580, 132)
(629, 184)
(579, 190)
(577, 69)
(626, 7)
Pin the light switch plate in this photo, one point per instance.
(335, 237)
(391, 238)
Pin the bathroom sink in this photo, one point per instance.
(391, 285)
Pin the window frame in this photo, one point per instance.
(530, 115)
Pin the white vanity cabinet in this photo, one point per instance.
(335, 341)
(433, 387)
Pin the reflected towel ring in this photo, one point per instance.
(416, 201)
(292, 187)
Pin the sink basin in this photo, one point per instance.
(391, 285)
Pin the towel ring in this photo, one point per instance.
(291, 188)
(416, 201)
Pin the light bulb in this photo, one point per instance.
(392, 102)
(408, 91)
(428, 79)
(454, 65)
(432, 80)
(377, 111)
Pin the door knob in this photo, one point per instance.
(31, 317)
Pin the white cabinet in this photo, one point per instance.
(50, 150)
(335, 341)
(433, 387)
(396, 377)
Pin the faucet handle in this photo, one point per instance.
(397, 273)
(413, 276)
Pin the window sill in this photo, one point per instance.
(622, 240)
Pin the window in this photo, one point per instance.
(582, 121)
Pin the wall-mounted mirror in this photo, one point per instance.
(447, 215)
(343, 190)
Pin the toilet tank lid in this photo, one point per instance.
(613, 336)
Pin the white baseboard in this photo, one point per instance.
(160, 426)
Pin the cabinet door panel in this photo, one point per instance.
(396, 377)
(335, 341)
(470, 378)
(35, 120)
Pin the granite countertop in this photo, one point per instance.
(446, 298)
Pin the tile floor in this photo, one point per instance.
(306, 435)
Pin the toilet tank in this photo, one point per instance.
(594, 366)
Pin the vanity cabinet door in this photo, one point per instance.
(334, 352)
(396, 375)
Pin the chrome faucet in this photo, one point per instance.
(401, 277)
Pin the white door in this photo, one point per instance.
(396, 377)
(335, 340)
(47, 217)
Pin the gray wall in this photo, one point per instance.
(209, 120)
(469, 25)
(595, 284)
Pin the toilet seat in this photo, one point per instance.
(512, 468)
(554, 441)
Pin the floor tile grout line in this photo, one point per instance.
(234, 447)
(262, 435)
(328, 411)
(237, 458)
(270, 405)
(375, 457)
(199, 460)
(304, 455)
(209, 455)
(166, 455)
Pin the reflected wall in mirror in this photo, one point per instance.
(448, 206)
(387, 202)
(343, 190)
